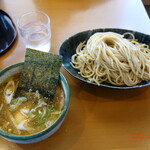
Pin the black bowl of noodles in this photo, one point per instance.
(117, 64)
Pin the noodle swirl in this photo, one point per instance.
(109, 57)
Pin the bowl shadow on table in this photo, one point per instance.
(105, 94)
(115, 105)
(92, 94)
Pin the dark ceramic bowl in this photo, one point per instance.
(8, 32)
(68, 48)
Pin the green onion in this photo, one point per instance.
(17, 102)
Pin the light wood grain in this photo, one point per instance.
(99, 118)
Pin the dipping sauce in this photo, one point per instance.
(29, 113)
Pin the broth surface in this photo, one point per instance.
(29, 113)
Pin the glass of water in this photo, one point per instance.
(35, 30)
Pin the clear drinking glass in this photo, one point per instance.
(35, 30)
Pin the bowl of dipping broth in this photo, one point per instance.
(23, 120)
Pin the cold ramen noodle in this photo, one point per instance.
(30, 113)
(110, 57)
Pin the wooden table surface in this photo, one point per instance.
(99, 118)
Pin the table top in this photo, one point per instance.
(98, 117)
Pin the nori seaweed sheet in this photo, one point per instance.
(40, 72)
